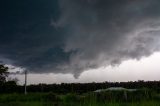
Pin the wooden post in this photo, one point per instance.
(25, 85)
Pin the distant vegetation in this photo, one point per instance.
(63, 88)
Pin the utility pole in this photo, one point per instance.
(25, 85)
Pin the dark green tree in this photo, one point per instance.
(3, 73)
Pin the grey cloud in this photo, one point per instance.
(109, 32)
(71, 36)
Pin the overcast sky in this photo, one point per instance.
(81, 40)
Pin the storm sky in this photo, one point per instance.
(73, 36)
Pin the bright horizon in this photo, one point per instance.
(147, 69)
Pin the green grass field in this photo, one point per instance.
(110, 98)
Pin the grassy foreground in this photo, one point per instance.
(116, 98)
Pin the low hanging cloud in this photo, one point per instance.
(71, 36)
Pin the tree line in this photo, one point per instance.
(11, 86)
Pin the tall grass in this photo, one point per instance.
(110, 98)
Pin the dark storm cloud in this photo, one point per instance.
(27, 37)
(70, 36)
